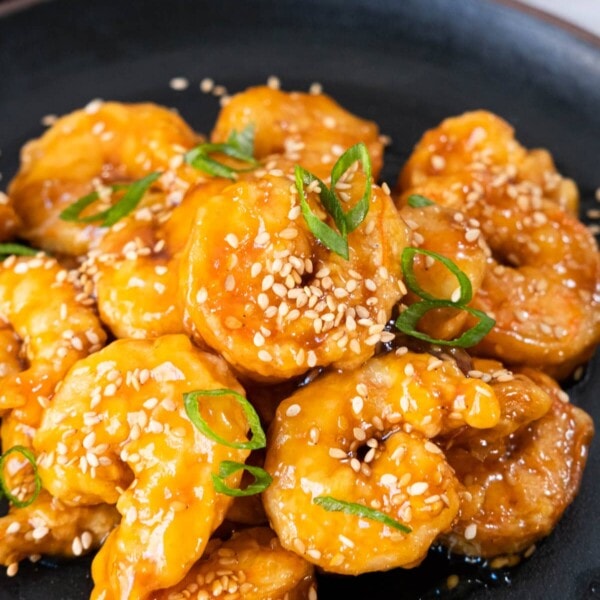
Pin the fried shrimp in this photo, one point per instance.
(521, 477)
(309, 129)
(120, 420)
(265, 293)
(251, 565)
(54, 321)
(445, 232)
(542, 284)
(366, 442)
(135, 267)
(87, 150)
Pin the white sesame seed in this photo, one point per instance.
(232, 240)
(13, 528)
(201, 295)
(293, 410)
(179, 83)
(265, 356)
(470, 531)
(418, 488)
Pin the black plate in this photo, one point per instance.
(406, 64)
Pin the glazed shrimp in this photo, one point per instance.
(366, 441)
(104, 143)
(134, 267)
(519, 487)
(265, 293)
(53, 319)
(251, 565)
(120, 419)
(309, 129)
(446, 232)
(542, 285)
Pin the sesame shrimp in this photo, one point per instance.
(251, 565)
(52, 318)
(134, 267)
(518, 487)
(448, 233)
(86, 151)
(265, 293)
(367, 441)
(542, 284)
(309, 129)
(119, 421)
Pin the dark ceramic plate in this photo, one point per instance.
(406, 64)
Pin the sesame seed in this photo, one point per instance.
(179, 83)
(418, 488)
(13, 528)
(293, 410)
(265, 356)
(12, 569)
(337, 453)
(470, 531)
(207, 85)
(76, 547)
(201, 295)
(232, 240)
(311, 358)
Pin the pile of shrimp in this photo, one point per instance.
(143, 355)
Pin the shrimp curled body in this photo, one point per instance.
(366, 441)
(120, 415)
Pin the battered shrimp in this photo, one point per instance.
(366, 441)
(265, 293)
(251, 565)
(518, 487)
(119, 418)
(104, 143)
(54, 321)
(135, 267)
(446, 232)
(309, 129)
(542, 285)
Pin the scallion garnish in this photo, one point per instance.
(409, 318)
(28, 455)
(337, 241)
(134, 193)
(11, 249)
(408, 256)
(239, 145)
(262, 480)
(190, 401)
(360, 510)
(418, 201)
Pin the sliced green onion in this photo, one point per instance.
(418, 201)
(239, 145)
(190, 401)
(133, 195)
(409, 318)
(27, 454)
(358, 152)
(11, 249)
(333, 240)
(336, 241)
(360, 510)
(408, 255)
(262, 480)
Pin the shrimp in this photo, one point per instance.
(367, 441)
(105, 143)
(444, 231)
(309, 129)
(518, 487)
(134, 267)
(120, 420)
(54, 321)
(251, 565)
(542, 284)
(260, 289)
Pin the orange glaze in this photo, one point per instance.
(119, 417)
(366, 441)
(101, 144)
(518, 485)
(54, 320)
(266, 294)
(251, 565)
(9, 220)
(308, 129)
(447, 232)
(542, 284)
